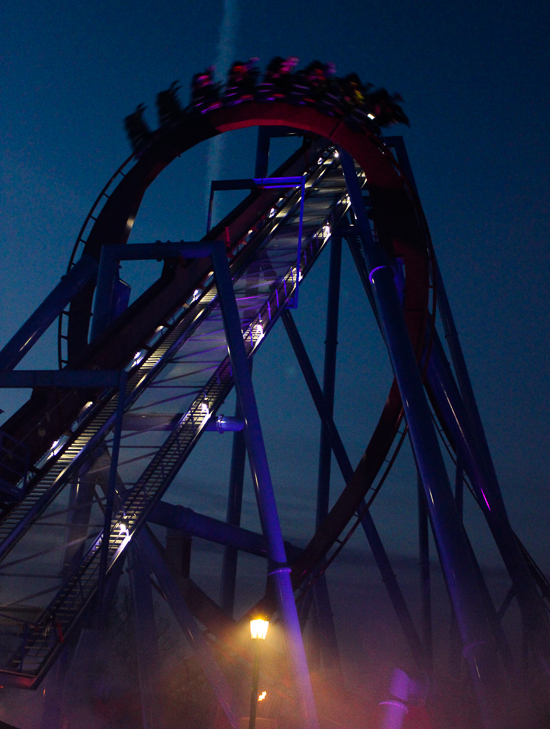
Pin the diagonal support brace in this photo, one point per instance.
(261, 477)
(367, 522)
(187, 623)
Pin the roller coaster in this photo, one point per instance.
(87, 461)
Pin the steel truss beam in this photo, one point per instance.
(190, 522)
(454, 553)
(487, 490)
(278, 569)
(465, 585)
(233, 517)
(31, 331)
(325, 624)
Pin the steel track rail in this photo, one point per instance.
(61, 467)
(402, 234)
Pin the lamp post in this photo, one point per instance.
(258, 631)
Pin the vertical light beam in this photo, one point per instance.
(224, 57)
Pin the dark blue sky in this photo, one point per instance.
(475, 81)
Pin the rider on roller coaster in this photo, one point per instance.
(205, 92)
(168, 105)
(317, 85)
(241, 81)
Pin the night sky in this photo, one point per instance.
(474, 77)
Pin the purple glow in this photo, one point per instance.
(373, 270)
(399, 704)
(280, 569)
(483, 492)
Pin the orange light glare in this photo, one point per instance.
(262, 696)
(258, 628)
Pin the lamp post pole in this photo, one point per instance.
(258, 630)
(255, 679)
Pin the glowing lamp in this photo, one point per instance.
(258, 631)
(258, 628)
(259, 331)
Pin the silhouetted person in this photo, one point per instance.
(205, 92)
(279, 73)
(315, 75)
(241, 80)
(385, 108)
(353, 92)
(137, 130)
(168, 105)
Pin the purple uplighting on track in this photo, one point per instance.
(373, 270)
(483, 492)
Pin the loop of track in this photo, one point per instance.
(400, 227)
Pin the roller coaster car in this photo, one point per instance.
(385, 108)
(330, 104)
(301, 92)
(359, 122)
(237, 95)
(268, 91)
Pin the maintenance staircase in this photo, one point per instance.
(191, 350)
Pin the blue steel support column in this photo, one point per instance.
(534, 618)
(454, 640)
(455, 558)
(456, 562)
(463, 378)
(490, 501)
(234, 506)
(182, 519)
(111, 255)
(145, 636)
(402, 157)
(327, 633)
(425, 579)
(459, 487)
(278, 570)
(360, 264)
(329, 374)
(49, 309)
